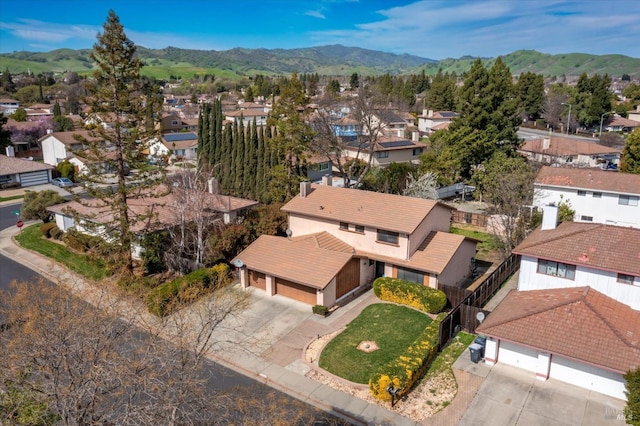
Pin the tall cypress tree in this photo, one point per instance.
(227, 157)
(260, 156)
(239, 159)
(203, 125)
(212, 137)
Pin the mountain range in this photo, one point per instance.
(335, 60)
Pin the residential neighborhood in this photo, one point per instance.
(357, 244)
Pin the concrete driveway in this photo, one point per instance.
(511, 396)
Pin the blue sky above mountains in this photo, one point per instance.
(432, 28)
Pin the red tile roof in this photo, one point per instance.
(578, 323)
(593, 179)
(606, 247)
(312, 260)
(384, 211)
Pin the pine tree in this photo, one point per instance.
(630, 162)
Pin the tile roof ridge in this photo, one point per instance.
(594, 293)
(587, 228)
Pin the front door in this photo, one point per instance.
(379, 269)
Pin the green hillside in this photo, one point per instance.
(324, 60)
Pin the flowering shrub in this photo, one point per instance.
(418, 296)
(405, 370)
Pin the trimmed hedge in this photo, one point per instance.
(170, 296)
(46, 229)
(418, 296)
(409, 367)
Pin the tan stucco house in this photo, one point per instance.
(341, 239)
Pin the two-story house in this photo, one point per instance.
(386, 150)
(58, 146)
(340, 239)
(430, 120)
(247, 116)
(180, 145)
(569, 152)
(576, 314)
(595, 195)
(173, 123)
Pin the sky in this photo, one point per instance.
(431, 29)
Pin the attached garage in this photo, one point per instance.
(587, 376)
(518, 356)
(257, 280)
(39, 177)
(296, 291)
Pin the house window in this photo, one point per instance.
(627, 200)
(625, 279)
(597, 195)
(382, 154)
(417, 151)
(360, 229)
(411, 275)
(174, 123)
(586, 218)
(387, 236)
(556, 269)
(582, 193)
(344, 226)
(323, 166)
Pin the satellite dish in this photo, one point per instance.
(288, 232)
(238, 263)
(480, 316)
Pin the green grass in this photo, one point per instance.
(32, 239)
(13, 197)
(488, 243)
(444, 361)
(391, 326)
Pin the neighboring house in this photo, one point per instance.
(342, 239)
(621, 124)
(172, 123)
(85, 162)
(159, 212)
(24, 137)
(179, 145)
(25, 172)
(391, 123)
(387, 150)
(576, 314)
(247, 117)
(430, 120)
(9, 106)
(595, 195)
(634, 114)
(318, 166)
(105, 120)
(570, 152)
(58, 146)
(40, 110)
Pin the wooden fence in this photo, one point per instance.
(476, 219)
(463, 315)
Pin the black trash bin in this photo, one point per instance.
(476, 352)
(482, 341)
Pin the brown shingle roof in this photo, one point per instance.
(12, 165)
(71, 138)
(311, 260)
(600, 180)
(607, 247)
(578, 323)
(384, 211)
(566, 146)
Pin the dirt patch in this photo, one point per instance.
(368, 346)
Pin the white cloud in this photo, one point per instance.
(316, 14)
(46, 32)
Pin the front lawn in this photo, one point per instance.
(393, 328)
(31, 238)
(12, 197)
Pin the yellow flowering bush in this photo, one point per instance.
(418, 296)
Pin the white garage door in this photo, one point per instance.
(518, 356)
(587, 376)
(34, 178)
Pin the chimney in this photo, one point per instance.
(546, 142)
(415, 136)
(10, 151)
(430, 114)
(424, 112)
(549, 217)
(305, 189)
(49, 131)
(400, 133)
(326, 180)
(213, 186)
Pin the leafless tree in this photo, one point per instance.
(553, 109)
(424, 186)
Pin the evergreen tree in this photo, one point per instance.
(530, 89)
(441, 96)
(201, 141)
(6, 82)
(260, 158)
(630, 162)
(354, 82)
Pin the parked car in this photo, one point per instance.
(62, 182)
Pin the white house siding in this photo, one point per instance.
(587, 376)
(365, 242)
(603, 210)
(604, 282)
(518, 356)
(459, 267)
(53, 151)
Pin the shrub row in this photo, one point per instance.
(408, 368)
(418, 296)
(170, 296)
(82, 242)
(50, 230)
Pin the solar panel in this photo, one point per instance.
(448, 114)
(175, 137)
(395, 144)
